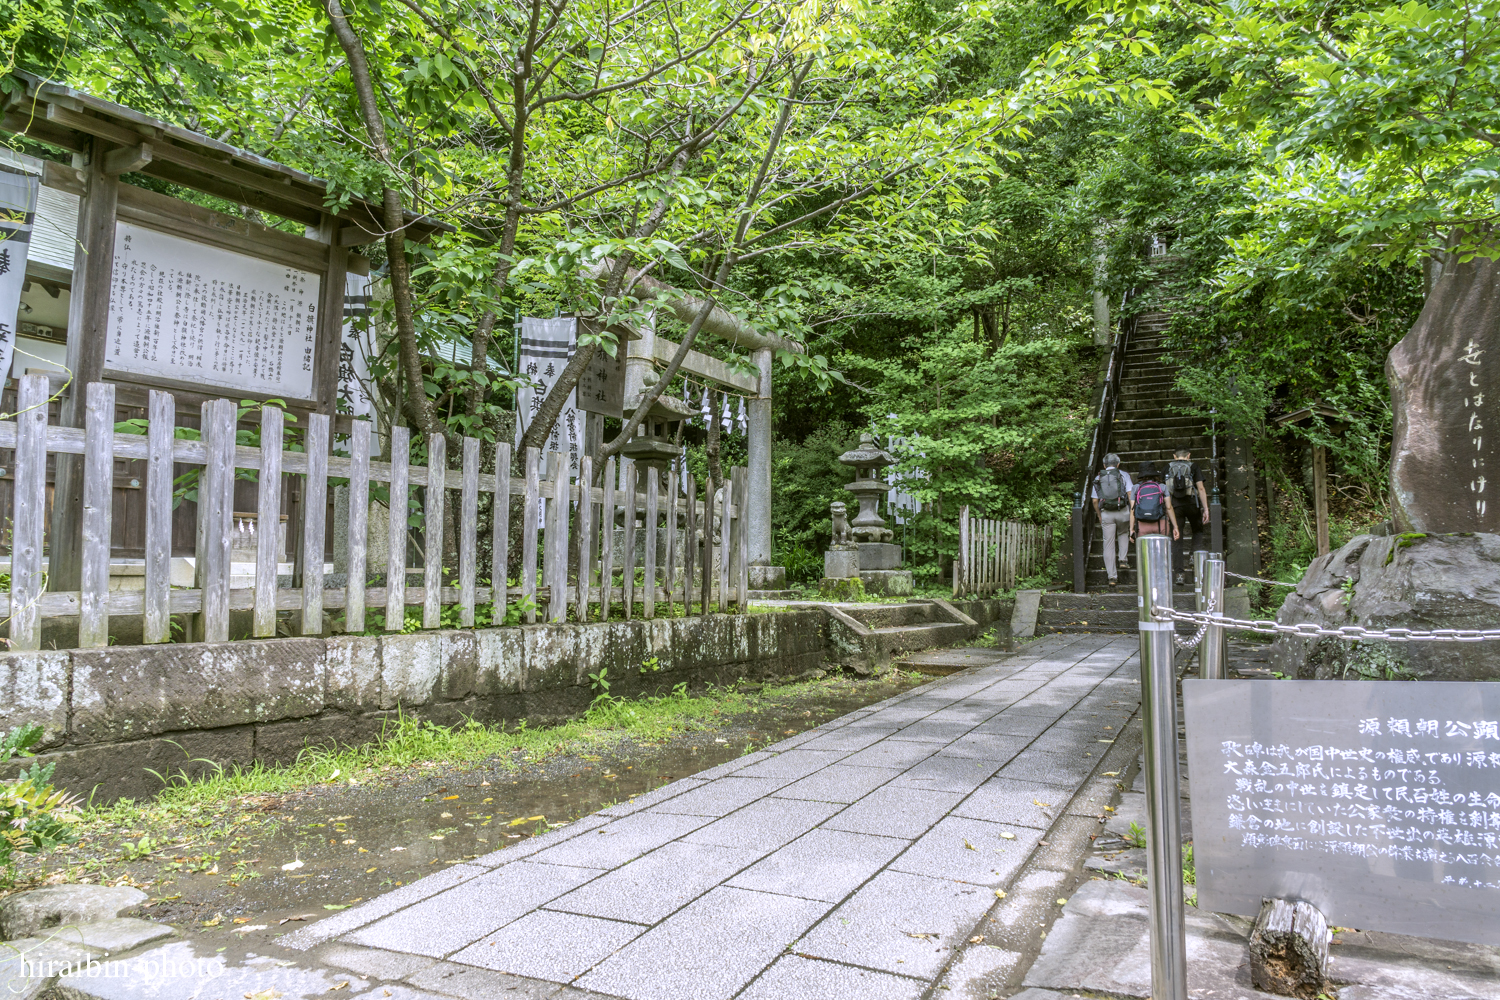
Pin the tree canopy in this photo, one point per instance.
(928, 194)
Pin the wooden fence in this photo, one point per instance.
(993, 555)
(556, 582)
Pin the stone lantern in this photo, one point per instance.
(654, 444)
(879, 559)
(868, 459)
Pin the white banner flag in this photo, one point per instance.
(356, 346)
(17, 214)
(546, 346)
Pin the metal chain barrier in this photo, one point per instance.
(1202, 629)
(1258, 579)
(1309, 630)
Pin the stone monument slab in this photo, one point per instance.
(1377, 803)
(1445, 389)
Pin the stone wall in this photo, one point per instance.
(183, 708)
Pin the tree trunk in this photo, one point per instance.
(1289, 950)
(711, 450)
(551, 408)
(392, 217)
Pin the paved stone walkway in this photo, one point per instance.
(857, 859)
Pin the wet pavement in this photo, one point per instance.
(872, 856)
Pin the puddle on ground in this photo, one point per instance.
(348, 843)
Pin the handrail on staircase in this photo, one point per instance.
(1084, 522)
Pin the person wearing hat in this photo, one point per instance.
(1151, 511)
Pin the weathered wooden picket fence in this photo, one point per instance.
(993, 555)
(556, 581)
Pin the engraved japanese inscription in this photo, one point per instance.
(1377, 802)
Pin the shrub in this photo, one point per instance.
(34, 816)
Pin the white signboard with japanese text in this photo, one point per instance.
(1376, 801)
(195, 313)
(17, 216)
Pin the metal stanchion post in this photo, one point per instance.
(1213, 650)
(1163, 808)
(1199, 594)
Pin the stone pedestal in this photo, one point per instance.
(769, 577)
(879, 555)
(887, 582)
(841, 580)
(841, 563)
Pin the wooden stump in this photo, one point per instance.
(1289, 950)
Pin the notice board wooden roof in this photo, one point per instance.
(66, 118)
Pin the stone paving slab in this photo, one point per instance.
(870, 857)
(1102, 946)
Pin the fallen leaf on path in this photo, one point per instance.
(1111, 774)
(445, 815)
(298, 916)
(449, 798)
(1007, 835)
(1039, 802)
(335, 906)
(922, 935)
(1062, 902)
(368, 870)
(970, 846)
(999, 893)
(338, 986)
(292, 866)
(436, 836)
(977, 939)
(265, 994)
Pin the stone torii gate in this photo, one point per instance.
(641, 357)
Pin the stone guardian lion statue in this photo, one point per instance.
(841, 534)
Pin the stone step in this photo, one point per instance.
(1136, 404)
(1120, 601)
(897, 639)
(942, 662)
(878, 616)
(1163, 422)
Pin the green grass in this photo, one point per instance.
(408, 742)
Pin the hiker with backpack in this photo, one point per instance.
(1152, 513)
(1111, 493)
(1190, 500)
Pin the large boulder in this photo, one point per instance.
(1445, 397)
(1411, 580)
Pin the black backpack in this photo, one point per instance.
(1112, 492)
(1150, 502)
(1180, 476)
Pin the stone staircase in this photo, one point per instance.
(1148, 427)
(1106, 612)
